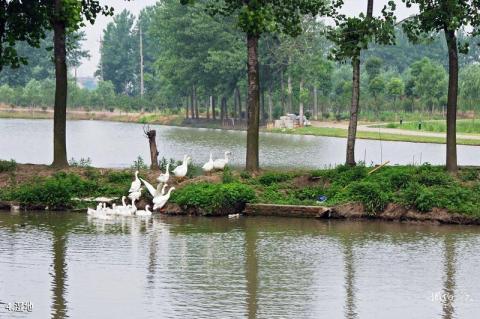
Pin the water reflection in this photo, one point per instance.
(348, 256)
(251, 237)
(59, 274)
(252, 267)
(449, 280)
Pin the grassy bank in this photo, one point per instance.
(97, 115)
(463, 126)
(419, 188)
(339, 132)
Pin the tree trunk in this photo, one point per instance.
(270, 103)
(352, 127)
(60, 107)
(192, 105)
(282, 95)
(186, 107)
(222, 109)
(239, 96)
(289, 94)
(195, 102)
(225, 107)
(262, 105)
(253, 110)
(151, 135)
(452, 101)
(315, 103)
(209, 106)
(300, 106)
(214, 115)
(235, 103)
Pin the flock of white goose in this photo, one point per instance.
(159, 194)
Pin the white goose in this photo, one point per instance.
(152, 190)
(145, 212)
(181, 170)
(208, 166)
(135, 186)
(93, 212)
(160, 201)
(163, 178)
(135, 195)
(221, 162)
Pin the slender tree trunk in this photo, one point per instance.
(270, 103)
(225, 107)
(222, 109)
(195, 101)
(253, 109)
(354, 109)
(152, 141)
(452, 101)
(209, 106)
(262, 104)
(186, 107)
(315, 103)
(282, 95)
(192, 105)
(289, 94)
(235, 103)
(60, 107)
(214, 115)
(352, 127)
(239, 96)
(300, 106)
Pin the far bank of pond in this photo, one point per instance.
(179, 120)
(423, 193)
(117, 145)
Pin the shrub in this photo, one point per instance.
(83, 162)
(245, 175)
(214, 199)
(270, 178)
(139, 164)
(468, 174)
(227, 176)
(371, 195)
(8, 166)
(121, 177)
(418, 196)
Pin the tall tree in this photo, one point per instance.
(447, 16)
(256, 18)
(351, 36)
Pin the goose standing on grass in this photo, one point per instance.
(222, 162)
(181, 170)
(208, 167)
(164, 177)
(135, 184)
(145, 212)
(160, 201)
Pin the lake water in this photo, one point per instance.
(176, 267)
(113, 144)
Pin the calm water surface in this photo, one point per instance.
(111, 144)
(70, 266)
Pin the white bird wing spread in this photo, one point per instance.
(150, 187)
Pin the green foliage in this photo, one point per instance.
(270, 178)
(83, 162)
(227, 176)
(139, 164)
(8, 166)
(370, 194)
(214, 199)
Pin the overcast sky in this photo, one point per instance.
(94, 32)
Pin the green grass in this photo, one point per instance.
(463, 126)
(338, 132)
(421, 188)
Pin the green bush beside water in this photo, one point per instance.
(214, 199)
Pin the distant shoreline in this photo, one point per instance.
(328, 128)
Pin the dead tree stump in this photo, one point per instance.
(152, 135)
